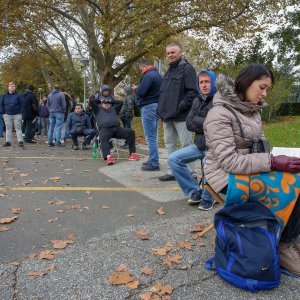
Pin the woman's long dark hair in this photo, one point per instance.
(248, 74)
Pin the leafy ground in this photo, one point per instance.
(282, 132)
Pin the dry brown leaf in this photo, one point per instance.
(8, 220)
(4, 228)
(52, 220)
(27, 182)
(71, 237)
(146, 296)
(132, 284)
(161, 211)
(36, 274)
(160, 251)
(50, 268)
(23, 174)
(185, 245)
(105, 207)
(198, 227)
(60, 211)
(60, 244)
(168, 246)
(74, 206)
(167, 289)
(121, 268)
(47, 254)
(1, 273)
(16, 210)
(37, 209)
(15, 263)
(2, 195)
(200, 244)
(172, 259)
(54, 178)
(116, 278)
(130, 215)
(147, 271)
(142, 234)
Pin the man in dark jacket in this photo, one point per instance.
(178, 160)
(148, 95)
(30, 114)
(56, 103)
(79, 124)
(11, 106)
(177, 93)
(108, 124)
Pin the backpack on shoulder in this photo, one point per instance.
(246, 249)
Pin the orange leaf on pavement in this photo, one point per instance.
(185, 245)
(172, 259)
(52, 220)
(16, 210)
(142, 234)
(122, 268)
(4, 228)
(60, 244)
(116, 278)
(36, 274)
(132, 284)
(47, 254)
(7, 220)
(161, 211)
(198, 227)
(147, 271)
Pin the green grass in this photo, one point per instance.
(284, 132)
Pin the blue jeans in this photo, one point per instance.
(150, 123)
(1, 125)
(177, 163)
(56, 120)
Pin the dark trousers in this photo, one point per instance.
(29, 129)
(87, 133)
(119, 133)
(292, 229)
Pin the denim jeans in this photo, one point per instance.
(172, 131)
(150, 123)
(1, 125)
(56, 120)
(177, 163)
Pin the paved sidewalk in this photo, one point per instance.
(118, 228)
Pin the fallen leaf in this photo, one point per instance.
(54, 178)
(8, 220)
(116, 278)
(172, 259)
(105, 207)
(52, 220)
(200, 244)
(132, 284)
(198, 227)
(27, 182)
(60, 211)
(147, 271)
(4, 228)
(60, 244)
(146, 296)
(2, 195)
(50, 268)
(86, 207)
(23, 174)
(142, 234)
(1, 273)
(122, 268)
(130, 215)
(160, 251)
(15, 263)
(185, 245)
(161, 211)
(71, 237)
(36, 274)
(167, 289)
(37, 209)
(74, 206)
(16, 210)
(59, 202)
(47, 254)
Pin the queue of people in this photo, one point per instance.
(223, 114)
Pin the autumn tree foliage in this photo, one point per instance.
(116, 34)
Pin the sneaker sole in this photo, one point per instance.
(193, 202)
(133, 159)
(202, 208)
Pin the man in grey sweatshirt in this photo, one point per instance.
(56, 103)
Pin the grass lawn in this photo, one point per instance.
(284, 132)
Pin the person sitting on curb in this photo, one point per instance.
(107, 120)
(178, 160)
(79, 124)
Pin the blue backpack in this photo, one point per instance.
(247, 247)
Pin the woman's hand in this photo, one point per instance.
(285, 163)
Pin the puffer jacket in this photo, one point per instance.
(227, 151)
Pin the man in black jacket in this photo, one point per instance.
(177, 93)
(30, 114)
(178, 160)
(108, 124)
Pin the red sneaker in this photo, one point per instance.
(133, 156)
(109, 160)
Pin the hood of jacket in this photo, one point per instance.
(226, 94)
(212, 77)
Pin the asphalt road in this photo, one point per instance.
(96, 210)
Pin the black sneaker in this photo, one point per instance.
(51, 145)
(149, 167)
(145, 163)
(21, 144)
(7, 144)
(195, 198)
(59, 145)
(30, 142)
(206, 205)
(167, 177)
(75, 147)
(83, 146)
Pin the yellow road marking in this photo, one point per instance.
(61, 157)
(84, 188)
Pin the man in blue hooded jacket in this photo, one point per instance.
(179, 159)
(11, 106)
